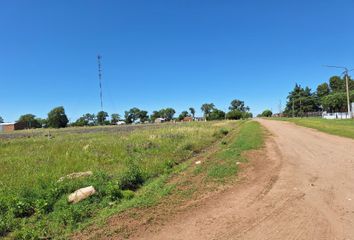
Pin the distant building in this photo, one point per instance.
(187, 119)
(9, 127)
(120, 123)
(160, 120)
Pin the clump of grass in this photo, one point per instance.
(250, 136)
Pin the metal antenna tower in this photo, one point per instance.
(346, 75)
(100, 78)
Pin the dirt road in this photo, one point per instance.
(302, 189)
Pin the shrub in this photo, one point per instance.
(114, 192)
(132, 179)
(267, 113)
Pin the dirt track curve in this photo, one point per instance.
(302, 189)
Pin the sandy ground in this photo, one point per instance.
(302, 189)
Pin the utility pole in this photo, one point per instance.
(100, 79)
(346, 75)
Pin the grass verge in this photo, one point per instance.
(344, 128)
(130, 170)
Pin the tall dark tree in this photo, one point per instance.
(101, 117)
(115, 118)
(1, 120)
(132, 115)
(167, 113)
(207, 108)
(323, 90)
(57, 118)
(300, 101)
(192, 111)
(337, 84)
(238, 105)
(143, 116)
(30, 121)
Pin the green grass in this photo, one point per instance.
(130, 170)
(344, 128)
(249, 137)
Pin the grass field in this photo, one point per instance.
(130, 170)
(344, 128)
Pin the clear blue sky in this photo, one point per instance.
(176, 53)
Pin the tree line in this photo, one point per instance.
(57, 117)
(329, 96)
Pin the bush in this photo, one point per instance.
(132, 179)
(114, 192)
(234, 115)
(267, 113)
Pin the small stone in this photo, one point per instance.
(198, 162)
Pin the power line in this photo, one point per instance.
(100, 79)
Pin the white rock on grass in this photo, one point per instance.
(76, 175)
(81, 194)
(198, 162)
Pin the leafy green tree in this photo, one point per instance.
(80, 122)
(246, 115)
(167, 113)
(192, 111)
(1, 120)
(132, 115)
(101, 117)
(115, 117)
(323, 90)
(183, 115)
(267, 113)
(87, 119)
(216, 114)
(207, 108)
(337, 84)
(57, 118)
(336, 102)
(238, 105)
(155, 115)
(143, 116)
(234, 115)
(42, 122)
(30, 121)
(300, 101)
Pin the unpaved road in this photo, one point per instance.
(302, 189)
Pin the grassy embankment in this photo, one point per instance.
(344, 128)
(130, 170)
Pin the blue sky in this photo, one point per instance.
(175, 53)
